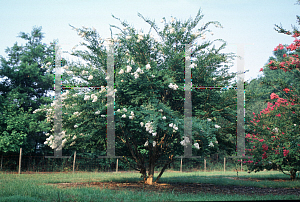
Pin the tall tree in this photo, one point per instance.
(156, 65)
(281, 73)
(24, 87)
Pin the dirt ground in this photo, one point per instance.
(189, 188)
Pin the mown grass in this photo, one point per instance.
(32, 187)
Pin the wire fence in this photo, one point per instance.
(78, 162)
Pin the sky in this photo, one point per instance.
(244, 22)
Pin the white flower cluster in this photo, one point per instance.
(275, 130)
(94, 97)
(185, 141)
(148, 126)
(136, 73)
(76, 113)
(128, 69)
(53, 141)
(173, 86)
(64, 95)
(37, 110)
(150, 129)
(84, 72)
(90, 77)
(193, 65)
(208, 119)
(211, 144)
(172, 30)
(140, 37)
(124, 115)
(216, 126)
(173, 126)
(111, 93)
(103, 89)
(197, 145)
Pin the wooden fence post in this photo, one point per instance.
(20, 160)
(204, 165)
(117, 165)
(1, 161)
(224, 163)
(241, 165)
(181, 164)
(74, 162)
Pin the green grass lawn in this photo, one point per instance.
(33, 187)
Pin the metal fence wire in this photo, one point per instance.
(10, 163)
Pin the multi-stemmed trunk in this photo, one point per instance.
(151, 169)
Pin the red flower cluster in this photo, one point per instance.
(290, 62)
(285, 152)
(280, 46)
(273, 96)
(292, 47)
(296, 34)
(286, 90)
(280, 101)
(265, 147)
(264, 156)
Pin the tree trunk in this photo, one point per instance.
(150, 174)
(293, 174)
(144, 174)
(164, 168)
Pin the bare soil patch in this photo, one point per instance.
(188, 188)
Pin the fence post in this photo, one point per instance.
(224, 163)
(20, 160)
(204, 165)
(117, 165)
(1, 161)
(181, 164)
(74, 162)
(241, 165)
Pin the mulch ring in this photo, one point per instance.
(187, 188)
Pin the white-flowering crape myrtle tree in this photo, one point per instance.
(149, 95)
